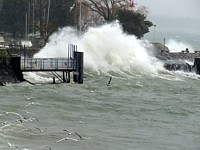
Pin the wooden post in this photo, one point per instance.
(64, 79)
(68, 76)
(54, 80)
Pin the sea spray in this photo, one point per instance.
(58, 43)
(106, 48)
(176, 46)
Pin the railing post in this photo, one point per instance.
(43, 65)
(24, 57)
(31, 64)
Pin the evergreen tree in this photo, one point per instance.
(14, 16)
(134, 23)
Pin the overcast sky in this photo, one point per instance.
(172, 8)
(173, 15)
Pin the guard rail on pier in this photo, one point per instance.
(72, 63)
(48, 64)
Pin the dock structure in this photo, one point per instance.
(72, 63)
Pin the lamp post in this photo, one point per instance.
(80, 16)
(154, 32)
(33, 20)
(48, 11)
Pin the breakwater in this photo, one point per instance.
(184, 60)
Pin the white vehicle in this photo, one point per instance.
(2, 42)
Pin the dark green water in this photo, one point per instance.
(144, 108)
(140, 113)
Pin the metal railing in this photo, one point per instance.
(48, 64)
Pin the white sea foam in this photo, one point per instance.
(176, 46)
(105, 48)
(38, 77)
(58, 43)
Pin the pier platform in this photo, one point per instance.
(61, 68)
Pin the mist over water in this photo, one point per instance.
(105, 48)
(177, 46)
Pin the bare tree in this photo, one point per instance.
(41, 18)
(106, 8)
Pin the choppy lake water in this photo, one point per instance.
(144, 108)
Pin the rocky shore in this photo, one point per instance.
(183, 60)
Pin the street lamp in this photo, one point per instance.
(154, 32)
(80, 16)
(48, 11)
